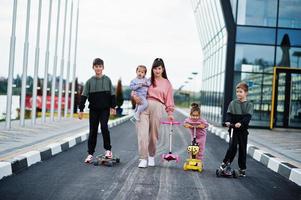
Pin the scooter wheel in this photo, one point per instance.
(234, 174)
(185, 166)
(218, 173)
(109, 164)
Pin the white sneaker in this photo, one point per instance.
(142, 163)
(151, 161)
(108, 154)
(89, 159)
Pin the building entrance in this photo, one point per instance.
(286, 98)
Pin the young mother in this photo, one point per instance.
(160, 95)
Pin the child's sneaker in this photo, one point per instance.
(151, 161)
(242, 172)
(142, 163)
(223, 166)
(108, 154)
(89, 159)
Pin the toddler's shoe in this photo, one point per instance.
(108, 154)
(151, 161)
(142, 163)
(89, 159)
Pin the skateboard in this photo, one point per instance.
(102, 160)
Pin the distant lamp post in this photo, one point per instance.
(194, 85)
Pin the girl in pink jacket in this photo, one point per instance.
(190, 122)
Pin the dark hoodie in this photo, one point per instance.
(240, 112)
(99, 92)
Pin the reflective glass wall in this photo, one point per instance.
(213, 38)
(267, 34)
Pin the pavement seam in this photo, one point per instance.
(25, 160)
(277, 165)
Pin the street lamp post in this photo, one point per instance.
(194, 85)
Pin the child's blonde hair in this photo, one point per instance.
(195, 108)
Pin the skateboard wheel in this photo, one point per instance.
(95, 162)
(117, 160)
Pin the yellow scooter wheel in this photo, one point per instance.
(185, 166)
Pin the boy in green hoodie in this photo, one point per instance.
(239, 114)
(101, 96)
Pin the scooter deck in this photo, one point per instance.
(193, 164)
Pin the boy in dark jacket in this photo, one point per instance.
(100, 93)
(239, 114)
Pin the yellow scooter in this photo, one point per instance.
(192, 163)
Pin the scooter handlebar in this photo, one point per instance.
(170, 122)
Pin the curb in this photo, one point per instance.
(24, 161)
(283, 168)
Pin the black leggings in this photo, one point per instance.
(95, 117)
(240, 138)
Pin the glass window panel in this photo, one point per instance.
(203, 18)
(220, 13)
(213, 16)
(208, 18)
(202, 26)
(288, 57)
(255, 35)
(289, 13)
(254, 58)
(294, 36)
(215, 7)
(257, 12)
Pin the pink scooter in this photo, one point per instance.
(170, 156)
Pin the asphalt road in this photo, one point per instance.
(65, 176)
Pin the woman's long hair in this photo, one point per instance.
(158, 62)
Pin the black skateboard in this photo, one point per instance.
(102, 160)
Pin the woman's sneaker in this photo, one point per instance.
(108, 154)
(151, 161)
(242, 172)
(89, 159)
(142, 163)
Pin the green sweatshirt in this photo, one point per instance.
(240, 112)
(99, 92)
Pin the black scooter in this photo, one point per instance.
(227, 171)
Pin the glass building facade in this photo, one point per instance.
(256, 41)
